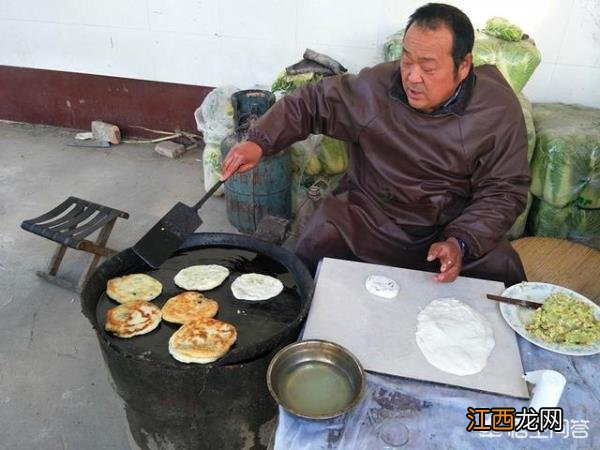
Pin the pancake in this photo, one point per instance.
(202, 341)
(201, 278)
(254, 286)
(188, 306)
(132, 318)
(137, 286)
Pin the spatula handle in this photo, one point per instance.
(208, 195)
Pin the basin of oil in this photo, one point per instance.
(315, 388)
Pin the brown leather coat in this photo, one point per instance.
(460, 171)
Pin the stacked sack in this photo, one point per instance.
(504, 45)
(518, 228)
(565, 173)
(214, 118)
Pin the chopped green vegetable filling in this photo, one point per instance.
(563, 319)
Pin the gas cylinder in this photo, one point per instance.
(266, 189)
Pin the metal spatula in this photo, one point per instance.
(158, 244)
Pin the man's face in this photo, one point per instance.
(427, 68)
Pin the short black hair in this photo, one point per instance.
(433, 15)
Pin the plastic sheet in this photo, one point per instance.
(503, 29)
(527, 108)
(392, 48)
(214, 117)
(518, 228)
(211, 164)
(435, 415)
(570, 222)
(516, 60)
(566, 165)
(318, 157)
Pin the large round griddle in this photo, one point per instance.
(260, 324)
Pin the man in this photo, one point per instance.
(438, 167)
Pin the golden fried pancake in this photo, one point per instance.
(137, 286)
(189, 306)
(202, 341)
(202, 277)
(132, 318)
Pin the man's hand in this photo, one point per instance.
(450, 256)
(241, 158)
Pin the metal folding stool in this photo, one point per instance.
(69, 224)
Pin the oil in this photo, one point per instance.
(316, 389)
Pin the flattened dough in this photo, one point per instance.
(381, 286)
(454, 337)
(254, 286)
(202, 277)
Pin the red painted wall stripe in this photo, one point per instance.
(73, 100)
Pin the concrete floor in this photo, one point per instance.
(55, 390)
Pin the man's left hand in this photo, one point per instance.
(450, 256)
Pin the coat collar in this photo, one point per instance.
(456, 104)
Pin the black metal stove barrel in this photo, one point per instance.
(223, 405)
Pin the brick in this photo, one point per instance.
(170, 149)
(106, 132)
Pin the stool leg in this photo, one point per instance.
(94, 258)
(56, 259)
(53, 268)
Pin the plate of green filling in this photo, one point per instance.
(567, 322)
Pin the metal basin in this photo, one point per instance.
(316, 379)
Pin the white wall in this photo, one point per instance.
(244, 43)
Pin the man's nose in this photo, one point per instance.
(414, 75)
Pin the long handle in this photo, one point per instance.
(514, 301)
(208, 195)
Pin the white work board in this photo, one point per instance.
(381, 332)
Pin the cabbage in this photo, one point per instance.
(392, 48)
(518, 228)
(288, 83)
(570, 222)
(304, 155)
(503, 29)
(214, 117)
(515, 60)
(566, 165)
(333, 155)
(313, 165)
(528, 116)
(211, 162)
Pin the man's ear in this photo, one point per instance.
(465, 66)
